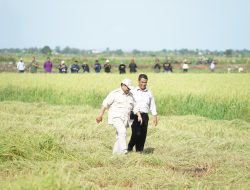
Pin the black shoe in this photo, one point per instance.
(139, 151)
(130, 149)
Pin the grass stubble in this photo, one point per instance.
(44, 145)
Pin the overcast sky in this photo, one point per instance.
(126, 24)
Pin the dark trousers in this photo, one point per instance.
(139, 133)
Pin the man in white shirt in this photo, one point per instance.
(212, 66)
(20, 66)
(185, 66)
(120, 103)
(146, 103)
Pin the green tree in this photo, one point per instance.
(136, 52)
(58, 49)
(66, 50)
(46, 50)
(118, 52)
(228, 52)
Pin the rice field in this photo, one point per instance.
(216, 96)
(49, 138)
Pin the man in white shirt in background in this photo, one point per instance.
(212, 66)
(20, 66)
(185, 66)
(146, 103)
(120, 103)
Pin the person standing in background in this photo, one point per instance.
(33, 65)
(63, 67)
(185, 66)
(97, 66)
(122, 68)
(167, 67)
(75, 67)
(48, 66)
(20, 66)
(85, 68)
(157, 66)
(212, 66)
(107, 67)
(132, 66)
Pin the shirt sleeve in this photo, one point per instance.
(136, 107)
(108, 100)
(152, 105)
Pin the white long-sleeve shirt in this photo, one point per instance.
(20, 66)
(144, 100)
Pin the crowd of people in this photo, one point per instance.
(97, 67)
(75, 67)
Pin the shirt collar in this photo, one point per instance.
(122, 92)
(138, 89)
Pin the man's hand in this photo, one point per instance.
(139, 118)
(155, 120)
(98, 119)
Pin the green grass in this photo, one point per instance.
(45, 146)
(216, 96)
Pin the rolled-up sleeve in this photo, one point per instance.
(153, 106)
(108, 100)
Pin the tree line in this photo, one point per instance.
(46, 50)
